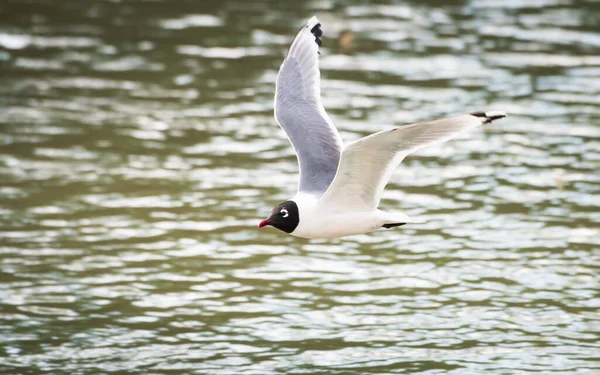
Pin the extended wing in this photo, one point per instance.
(299, 111)
(367, 165)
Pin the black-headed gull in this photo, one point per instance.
(340, 187)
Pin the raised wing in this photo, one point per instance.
(299, 111)
(367, 165)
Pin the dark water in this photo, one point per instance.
(138, 152)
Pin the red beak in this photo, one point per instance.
(264, 223)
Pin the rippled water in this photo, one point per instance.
(138, 152)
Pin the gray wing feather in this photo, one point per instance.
(299, 112)
(367, 165)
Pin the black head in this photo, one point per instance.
(283, 217)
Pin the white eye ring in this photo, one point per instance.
(284, 212)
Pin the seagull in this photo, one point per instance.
(340, 186)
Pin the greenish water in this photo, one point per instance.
(138, 151)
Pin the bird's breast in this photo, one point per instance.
(319, 224)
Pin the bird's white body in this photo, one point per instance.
(317, 221)
(341, 185)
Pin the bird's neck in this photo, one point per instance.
(305, 200)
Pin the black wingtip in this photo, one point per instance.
(392, 225)
(490, 116)
(317, 32)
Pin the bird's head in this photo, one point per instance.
(283, 217)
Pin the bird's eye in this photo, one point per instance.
(284, 212)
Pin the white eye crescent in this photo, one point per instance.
(284, 212)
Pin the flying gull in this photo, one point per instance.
(340, 186)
